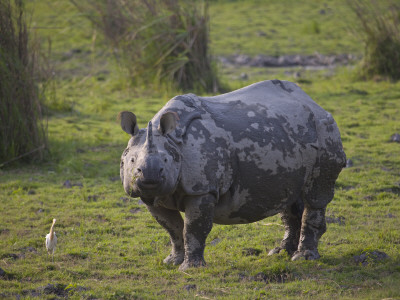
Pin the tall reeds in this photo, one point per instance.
(22, 131)
(160, 42)
(379, 29)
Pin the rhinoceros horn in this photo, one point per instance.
(151, 148)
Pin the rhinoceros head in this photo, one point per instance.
(151, 163)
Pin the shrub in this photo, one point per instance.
(22, 133)
(379, 28)
(160, 41)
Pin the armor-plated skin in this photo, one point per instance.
(235, 158)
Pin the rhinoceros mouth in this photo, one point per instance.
(149, 184)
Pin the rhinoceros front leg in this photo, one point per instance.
(199, 214)
(312, 228)
(172, 221)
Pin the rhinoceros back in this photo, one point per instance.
(284, 98)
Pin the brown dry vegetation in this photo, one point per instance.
(22, 132)
(161, 43)
(379, 29)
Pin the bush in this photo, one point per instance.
(380, 32)
(161, 41)
(22, 133)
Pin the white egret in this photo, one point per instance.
(51, 240)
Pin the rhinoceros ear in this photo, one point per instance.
(168, 122)
(128, 122)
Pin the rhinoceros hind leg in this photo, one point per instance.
(313, 227)
(172, 221)
(291, 218)
(316, 197)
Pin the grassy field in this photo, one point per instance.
(282, 27)
(109, 247)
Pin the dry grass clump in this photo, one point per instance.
(379, 28)
(160, 41)
(22, 132)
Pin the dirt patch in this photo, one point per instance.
(335, 220)
(4, 231)
(78, 255)
(10, 256)
(135, 210)
(395, 138)
(58, 289)
(315, 60)
(190, 287)
(215, 241)
(374, 256)
(276, 278)
(394, 190)
(4, 275)
(251, 252)
(268, 278)
(68, 184)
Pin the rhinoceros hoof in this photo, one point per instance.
(174, 259)
(280, 250)
(194, 263)
(306, 254)
(276, 250)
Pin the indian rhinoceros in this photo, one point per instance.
(235, 158)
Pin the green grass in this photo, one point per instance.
(282, 27)
(110, 247)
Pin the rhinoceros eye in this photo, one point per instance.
(165, 160)
(132, 160)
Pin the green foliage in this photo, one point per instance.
(312, 27)
(379, 29)
(162, 43)
(53, 103)
(22, 131)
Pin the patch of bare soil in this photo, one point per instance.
(297, 60)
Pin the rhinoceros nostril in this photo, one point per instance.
(139, 170)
